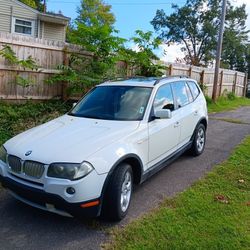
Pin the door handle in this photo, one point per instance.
(177, 124)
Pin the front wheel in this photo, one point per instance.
(199, 140)
(118, 195)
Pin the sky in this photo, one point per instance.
(135, 14)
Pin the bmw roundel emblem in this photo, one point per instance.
(28, 153)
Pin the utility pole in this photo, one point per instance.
(219, 48)
(44, 6)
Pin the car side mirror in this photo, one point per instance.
(74, 104)
(163, 114)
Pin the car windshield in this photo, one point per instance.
(114, 103)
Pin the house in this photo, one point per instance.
(18, 18)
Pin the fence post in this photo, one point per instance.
(202, 77)
(190, 71)
(171, 69)
(64, 83)
(221, 81)
(245, 86)
(235, 82)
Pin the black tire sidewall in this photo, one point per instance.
(195, 149)
(112, 206)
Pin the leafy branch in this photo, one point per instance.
(29, 63)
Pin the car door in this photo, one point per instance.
(163, 133)
(187, 111)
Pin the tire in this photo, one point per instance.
(119, 189)
(199, 140)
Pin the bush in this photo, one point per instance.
(231, 96)
(209, 99)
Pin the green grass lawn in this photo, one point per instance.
(225, 104)
(213, 214)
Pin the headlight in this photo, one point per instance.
(3, 154)
(71, 171)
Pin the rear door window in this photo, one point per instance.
(190, 96)
(194, 89)
(180, 93)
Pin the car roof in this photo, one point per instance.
(142, 81)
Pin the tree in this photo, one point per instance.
(36, 4)
(234, 54)
(30, 3)
(248, 59)
(143, 60)
(94, 28)
(94, 31)
(195, 26)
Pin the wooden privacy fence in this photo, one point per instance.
(50, 54)
(47, 54)
(229, 80)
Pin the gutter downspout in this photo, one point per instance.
(11, 19)
(38, 28)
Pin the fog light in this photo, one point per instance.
(70, 190)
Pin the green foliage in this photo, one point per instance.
(30, 3)
(24, 82)
(29, 63)
(79, 75)
(203, 87)
(192, 27)
(209, 100)
(17, 118)
(227, 102)
(195, 26)
(94, 31)
(7, 53)
(36, 4)
(231, 96)
(235, 48)
(144, 61)
(212, 214)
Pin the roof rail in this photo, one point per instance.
(167, 77)
(123, 78)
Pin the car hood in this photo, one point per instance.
(68, 139)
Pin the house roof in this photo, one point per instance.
(53, 18)
(47, 17)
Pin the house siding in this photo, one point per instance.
(5, 16)
(5, 23)
(17, 11)
(11, 8)
(54, 32)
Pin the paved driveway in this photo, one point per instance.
(28, 228)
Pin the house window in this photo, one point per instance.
(23, 26)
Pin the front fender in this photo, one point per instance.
(105, 160)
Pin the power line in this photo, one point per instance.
(161, 3)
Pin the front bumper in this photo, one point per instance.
(49, 202)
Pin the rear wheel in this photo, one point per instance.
(199, 140)
(118, 194)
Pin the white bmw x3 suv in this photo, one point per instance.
(119, 134)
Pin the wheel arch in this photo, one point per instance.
(134, 161)
(137, 166)
(203, 121)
